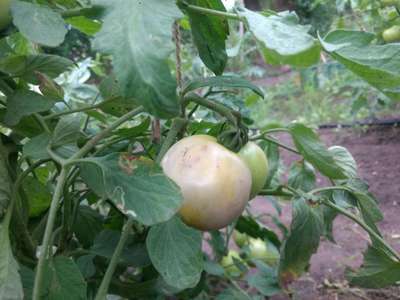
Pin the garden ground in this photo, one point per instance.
(377, 152)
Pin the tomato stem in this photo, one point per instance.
(368, 229)
(102, 134)
(58, 193)
(276, 142)
(76, 110)
(224, 111)
(208, 11)
(176, 127)
(102, 291)
(48, 233)
(272, 130)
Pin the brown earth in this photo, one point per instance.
(377, 152)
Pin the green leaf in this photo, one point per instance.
(255, 229)
(378, 270)
(28, 281)
(222, 81)
(36, 147)
(233, 294)
(213, 268)
(370, 212)
(209, 34)
(310, 146)
(86, 265)
(85, 25)
(39, 24)
(369, 206)
(67, 131)
(87, 225)
(303, 240)
(337, 39)
(265, 280)
(63, 280)
(281, 39)
(175, 250)
(344, 160)
(272, 152)
(148, 289)
(329, 215)
(118, 106)
(28, 126)
(217, 243)
(39, 196)
(138, 36)
(301, 176)
(134, 253)
(10, 281)
(136, 186)
(24, 103)
(378, 65)
(26, 66)
(135, 130)
(5, 182)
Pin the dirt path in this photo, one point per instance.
(377, 153)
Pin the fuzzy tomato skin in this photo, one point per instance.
(257, 161)
(214, 181)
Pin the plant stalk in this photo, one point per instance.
(212, 12)
(176, 127)
(48, 233)
(272, 130)
(76, 110)
(214, 106)
(101, 135)
(102, 291)
(61, 180)
(363, 225)
(274, 141)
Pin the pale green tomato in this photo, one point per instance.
(229, 264)
(256, 160)
(263, 251)
(5, 17)
(214, 181)
(240, 238)
(392, 34)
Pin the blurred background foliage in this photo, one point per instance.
(326, 93)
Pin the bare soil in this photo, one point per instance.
(377, 152)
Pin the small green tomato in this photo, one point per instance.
(229, 264)
(392, 34)
(240, 238)
(263, 251)
(257, 162)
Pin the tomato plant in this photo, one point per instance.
(110, 165)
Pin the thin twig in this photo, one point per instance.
(102, 291)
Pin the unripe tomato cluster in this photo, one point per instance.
(251, 249)
(216, 183)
